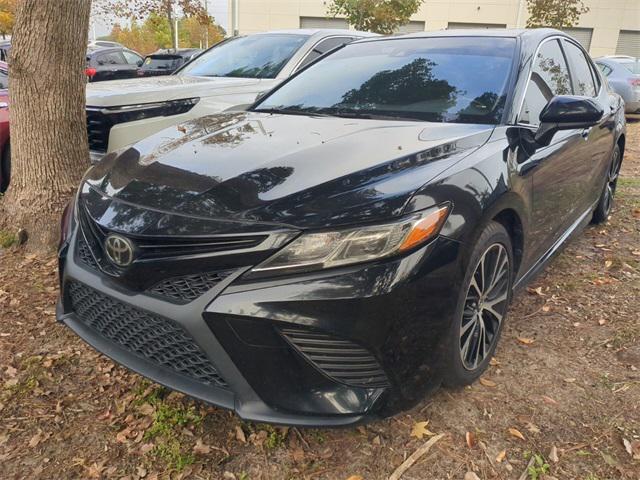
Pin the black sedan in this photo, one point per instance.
(353, 240)
(111, 63)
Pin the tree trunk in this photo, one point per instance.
(48, 125)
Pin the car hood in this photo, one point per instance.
(296, 171)
(171, 87)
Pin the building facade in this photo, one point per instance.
(610, 27)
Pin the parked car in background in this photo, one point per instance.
(5, 148)
(103, 43)
(230, 74)
(165, 62)
(5, 47)
(353, 239)
(623, 75)
(112, 63)
(4, 75)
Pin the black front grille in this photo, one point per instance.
(98, 129)
(342, 360)
(189, 287)
(149, 336)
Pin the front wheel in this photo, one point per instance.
(482, 307)
(605, 203)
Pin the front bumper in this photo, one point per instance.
(262, 336)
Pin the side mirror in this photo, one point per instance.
(566, 112)
(140, 62)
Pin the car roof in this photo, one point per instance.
(533, 35)
(320, 32)
(99, 49)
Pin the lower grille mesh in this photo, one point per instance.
(189, 287)
(342, 360)
(154, 338)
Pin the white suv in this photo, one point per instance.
(229, 75)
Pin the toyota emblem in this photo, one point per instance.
(119, 250)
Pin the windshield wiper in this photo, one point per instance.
(290, 111)
(375, 116)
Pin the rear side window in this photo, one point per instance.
(583, 83)
(549, 77)
(111, 58)
(606, 71)
(323, 47)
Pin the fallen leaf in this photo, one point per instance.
(471, 476)
(553, 454)
(500, 457)
(35, 440)
(535, 291)
(355, 477)
(487, 383)
(10, 371)
(569, 380)
(141, 471)
(200, 448)
(546, 308)
(533, 428)
(146, 409)
(494, 362)
(420, 429)
(516, 433)
(526, 341)
(602, 321)
(471, 439)
(549, 400)
(240, 436)
(632, 448)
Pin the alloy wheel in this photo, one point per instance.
(612, 180)
(485, 306)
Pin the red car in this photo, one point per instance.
(5, 150)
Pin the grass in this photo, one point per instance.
(7, 239)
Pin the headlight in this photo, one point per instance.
(130, 113)
(318, 250)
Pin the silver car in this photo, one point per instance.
(623, 75)
(229, 75)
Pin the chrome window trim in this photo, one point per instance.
(535, 55)
(312, 48)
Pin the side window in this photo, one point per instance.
(131, 58)
(4, 78)
(111, 58)
(323, 47)
(549, 77)
(606, 71)
(582, 77)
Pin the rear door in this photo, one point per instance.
(556, 170)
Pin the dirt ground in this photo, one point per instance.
(564, 390)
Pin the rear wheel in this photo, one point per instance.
(603, 210)
(482, 307)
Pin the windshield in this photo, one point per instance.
(256, 56)
(459, 79)
(161, 62)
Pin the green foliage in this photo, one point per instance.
(171, 452)
(7, 239)
(154, 33)
(378, 16)
(168, 417)
(538, 468)
(555, 13)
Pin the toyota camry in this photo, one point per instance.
(353, 240)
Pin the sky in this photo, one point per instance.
(217, 8)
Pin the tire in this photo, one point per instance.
(477, 311)
(605, 203)
(5, 169)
